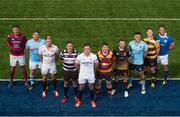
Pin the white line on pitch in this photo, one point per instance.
(89, 19)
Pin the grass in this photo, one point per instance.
(94, 32)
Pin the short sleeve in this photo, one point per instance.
(171, 40)
(27, 44)
(56, 50)
(61, 55)
(145, 47)
(77, 59)
(40, 51)
(95, 59)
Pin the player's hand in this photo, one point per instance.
(35, 48)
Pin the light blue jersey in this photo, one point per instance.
(137, 52)
(33, 54)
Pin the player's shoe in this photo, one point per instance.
(56, 93)
(126, 94)
(43, 93)
(164, 82)
(64, 99)
(10, 84)
(152, 85)
(28, 86)
(113, 91)
(143, 91)
(93, 103)
(78, 103)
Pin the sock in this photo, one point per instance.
(115, 84)
(153, 77)
(130, 79)
(55, 84)
(12, 74)
(24, 73)
(142, 82)
(65, 91)
(109, 90)
(92, 94)
(75, 91)
(80, 95)
(166, 74)
(44, 85)
(32, 78)
(125, 86)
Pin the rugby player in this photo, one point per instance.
(104, 70)
(47, 54)
(17, 44)
(138, 50)
(33, 46)
(70, 72)
(121, 66)
(87, 63)
(151, 58)
(166, 43)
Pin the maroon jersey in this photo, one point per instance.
(16, 44)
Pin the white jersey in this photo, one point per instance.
(48, 54)
(86, 67)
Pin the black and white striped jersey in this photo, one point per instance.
(69, 60)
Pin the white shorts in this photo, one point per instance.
(35, 65)
(163, 59)
(17, 59)
(49, 68)
(83, 80)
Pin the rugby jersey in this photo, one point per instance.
(122, 56)
(17, 44)
(69, 60)
(105, 61)
(153, 45)
(164, 41)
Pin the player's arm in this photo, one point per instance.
(172, 45)
(145, 50)
(77, 63)
(40, 55)
(157, 47)
(8, 41)
(96, 64)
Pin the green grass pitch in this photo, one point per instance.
(94, 32)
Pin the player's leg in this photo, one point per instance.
(92, 94)
(98, 86)
(53, 76)
(131, 73)
(108, 83)
(32, 75)
(66, 85)
(115, 81)
(44, 78)
(153, 65)
(74, 79)
(125, 82)
(13, 61)
(140, 68)
(80, 94)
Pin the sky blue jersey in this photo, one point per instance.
(33, 54)
(137, 52)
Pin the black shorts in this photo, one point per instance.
(150, 62)
(70, 75)
(117, 72)
(106, 76)
(139, 68)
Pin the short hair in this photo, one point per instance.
(149, 28)
(87, 44)
(69, 42)
(48, 37)
(161, 26)
(15, 26)
(35, 32)
(121, 40)
(137, 33)
(104, 44)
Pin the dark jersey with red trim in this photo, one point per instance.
(16, 44)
